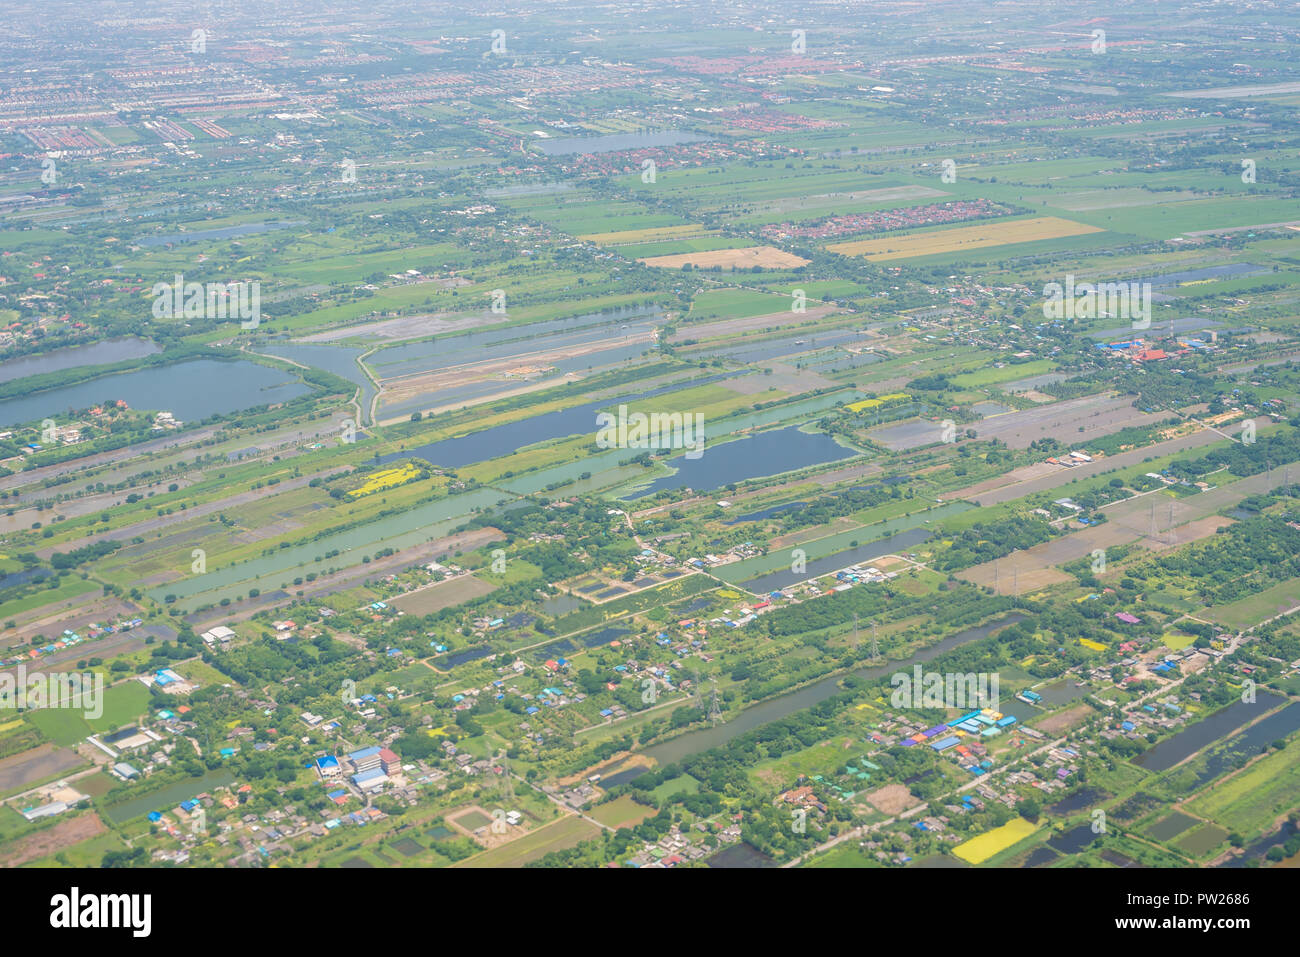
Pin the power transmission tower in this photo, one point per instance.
(1173, 536)
(855, 634)
(715, 712)
(875, 643)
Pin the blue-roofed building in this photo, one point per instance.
(328, 766)
(370, 780)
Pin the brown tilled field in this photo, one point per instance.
(769, 257)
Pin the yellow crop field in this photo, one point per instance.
(964, 237)
(1094, 645)
(769, 257)
(877, 402)
(655, 235)
(386, 479)
(980, 849)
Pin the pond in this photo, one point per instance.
(908, 435)
(192, 389)
(1074, 840)
(740, 855)
(767, 453)
(460, 657)
(1255, 851)
(1206, 272)
(1080, 799)
(1234, 752)
(623, 777)
(602, 636)
(1163, 756)
(559, 605)
(766, 512)
(72, 357)
(168, 797)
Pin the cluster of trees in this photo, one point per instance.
(986, 541)
(1237, 561)
(87, 553)
(1242, 459)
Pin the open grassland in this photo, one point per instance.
(556, 836)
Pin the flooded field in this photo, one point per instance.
(1163, 756)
